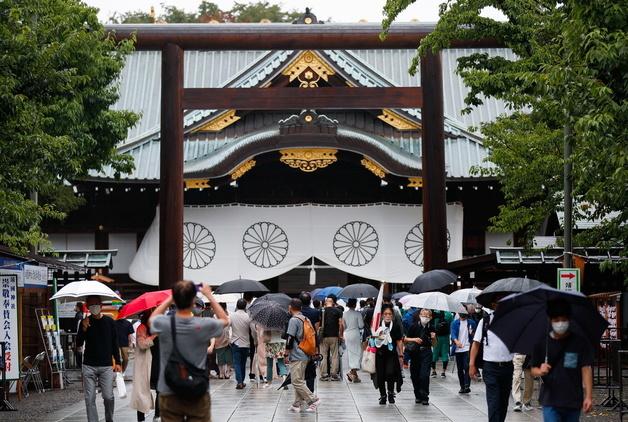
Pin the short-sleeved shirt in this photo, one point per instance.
(193, 337)
(494, 348)
(331, 317)
(314, 315)
(562, 387)
(123, 329)
(240, 328)
(463, 336)
(295, 329)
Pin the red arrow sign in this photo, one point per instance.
(567, 275)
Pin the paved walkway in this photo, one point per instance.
(341, 402)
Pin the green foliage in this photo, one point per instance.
(570, 69)
(255, 12)
(57, 77)
(208, 11)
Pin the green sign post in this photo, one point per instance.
(568, 279)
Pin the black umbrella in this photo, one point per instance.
(270, 315)
(432, 280)
(280, 298)
(506, 286)
(521, 320)
(399, 295)
(241, 285)
(355, 291)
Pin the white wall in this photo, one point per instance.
(72, 241)
(126, 244)
(497, 239)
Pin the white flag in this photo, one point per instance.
(377, 311)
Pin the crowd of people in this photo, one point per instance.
(203, 340)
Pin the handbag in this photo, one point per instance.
(368, 359)
(183, 378)
(120, 385)
(411, 347)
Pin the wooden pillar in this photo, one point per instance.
(171, 180)
(433, 159)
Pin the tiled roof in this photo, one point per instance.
(140, 92)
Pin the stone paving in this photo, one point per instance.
(341, 402)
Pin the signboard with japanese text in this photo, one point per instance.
(8, 333)
(35, 276)
(569, 279)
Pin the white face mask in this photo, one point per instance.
(95, 309)
(425, 320)
(560, 327)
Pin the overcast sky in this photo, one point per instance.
(337, 10)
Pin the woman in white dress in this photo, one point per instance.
(354, 323)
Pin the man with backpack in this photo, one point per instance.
(300, 346)
(183, 382)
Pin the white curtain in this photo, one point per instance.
(224, 242)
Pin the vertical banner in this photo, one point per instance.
(8, 334)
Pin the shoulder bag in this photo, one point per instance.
(185, 380)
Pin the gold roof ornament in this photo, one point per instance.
(308, 68)
(241, 169)
(308, 159)
(415, 182)
(373, 167)
(397, 121)
(197, 183)
(219, 122)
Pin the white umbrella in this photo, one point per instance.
(226, 297)
(80, 290)
(466, 295)
(436, 301)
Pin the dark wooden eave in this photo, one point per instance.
(279, 36)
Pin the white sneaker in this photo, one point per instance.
(295, 409)
(312, 407)
(527, 407)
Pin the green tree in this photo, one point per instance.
(256, 12)
(175, 15)
(57, 84)
(136, 16)
(570, 70)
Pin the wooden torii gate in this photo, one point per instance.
(173, 39)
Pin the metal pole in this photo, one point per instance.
(568, 196)
(55, 306)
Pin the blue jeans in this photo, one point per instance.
(420, 363)
(240, 354)
(462, 364)
(498, 381)
(560, 414)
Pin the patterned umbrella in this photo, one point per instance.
(269, 314)
(280, 298)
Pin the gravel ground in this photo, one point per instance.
(36, 406)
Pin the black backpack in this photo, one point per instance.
(479, 359)
(183, 378)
